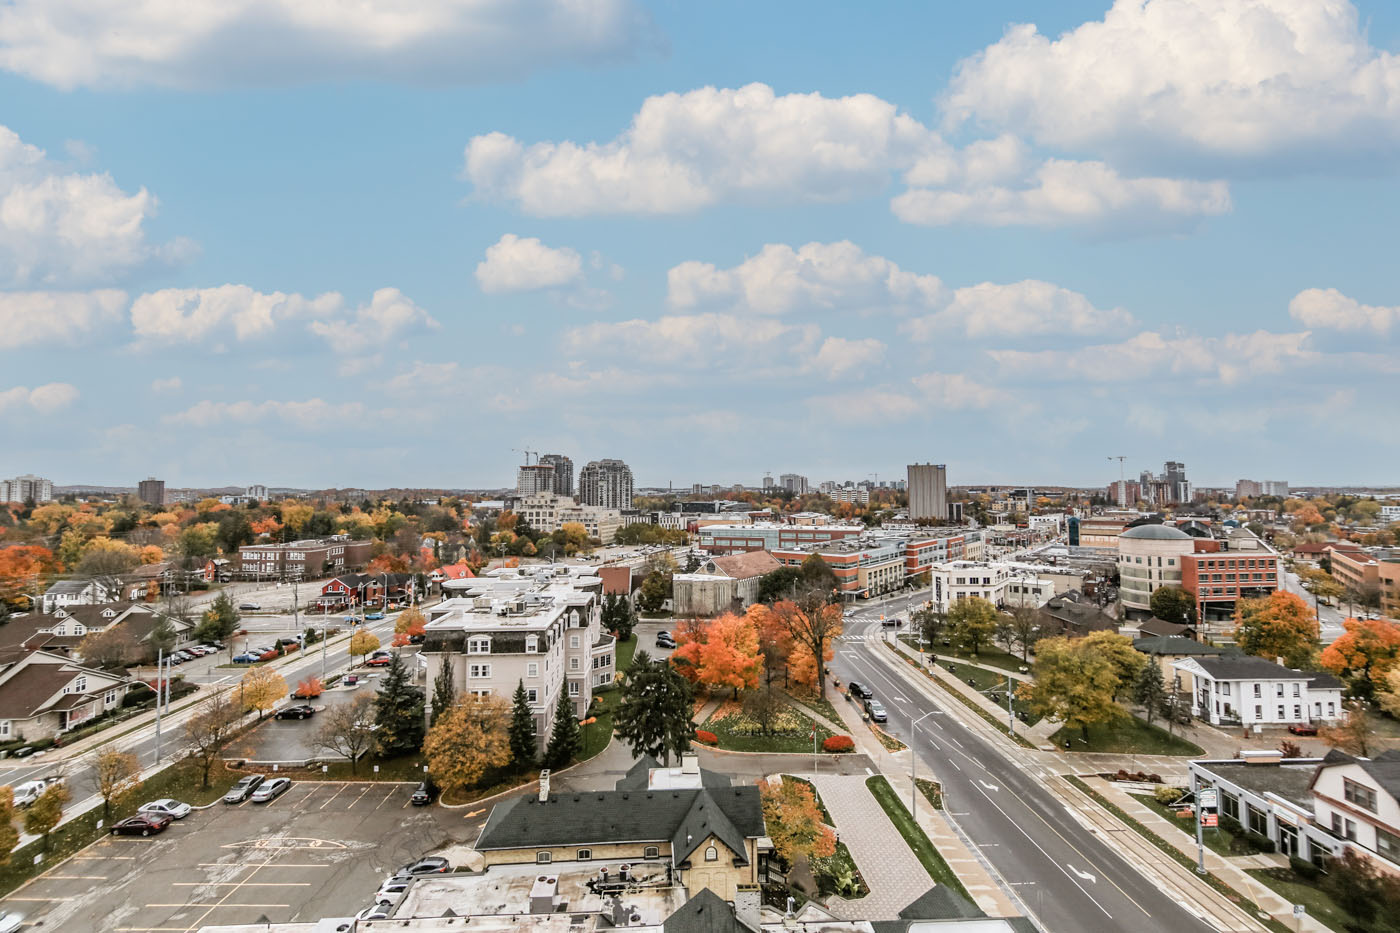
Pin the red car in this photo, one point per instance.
(142, 824)
(1303, 728)
(383, 660)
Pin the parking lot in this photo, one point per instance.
(321, 849)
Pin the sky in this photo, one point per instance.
(388, 243)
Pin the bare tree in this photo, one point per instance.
(348, 729)
(208, 729)
(1024, 629)
(108, 649)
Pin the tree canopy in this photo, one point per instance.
(1073, 685)
(1279, 626)
(468, 741)
(655, 714)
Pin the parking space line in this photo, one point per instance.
(45, 900)
(362, 794)
(385, 800)
(75, 877)
(279, 865)
(333, 796)
(200, 922)
(216, 906)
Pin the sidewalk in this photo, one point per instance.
(892, 872)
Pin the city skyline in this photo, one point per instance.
(947, 239)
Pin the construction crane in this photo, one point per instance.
(527, 453)
(1122, 481)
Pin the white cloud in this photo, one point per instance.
(177, 315)
(311, 414)
(1230, 359)
(927, 394)
(35, 317)
(1330, 309)
(1062, 193)
(522, 264)
(838, 356)
(818, 275)
(695, 338)
(1242, 79)
(173, 384)
(687, 151)
(219, 43)
(1027, 308)
(59, 227)
(958, 391)
(45, 399)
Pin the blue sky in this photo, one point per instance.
(242, 244)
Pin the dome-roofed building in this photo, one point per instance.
(1149, 557)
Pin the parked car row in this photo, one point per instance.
(190, 652)
(257, 787)
(856, 691)
(396, 885)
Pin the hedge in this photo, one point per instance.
(839, 743)
(706, 738)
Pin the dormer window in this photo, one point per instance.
(478, 646)
(532, 644)
(80, 684)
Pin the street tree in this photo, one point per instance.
(1173, 604)
(260, 688)
(971, 623)
(1072, 685)
(813, 621)
(362, 643)
(45, 813)
(1024, 630)
(794, 821)
(654, 592)
(347, 729)
(1389, 694)
(1150, 690)
(219, 621)
(1279, 626)
(565, 739)
(817, 574)
(9, 833)
(929, 622)
(117, 775)
(655, 713)
(1127, 661)
(1353, 734)
(719, 652)
(777, 585)
(208, 729)
(774, 641)
(109, 649)
(443, 691)
(468, 741)
(410, 622)
(398, 712)
(524, 742)
(763, 705)
(1365, 654)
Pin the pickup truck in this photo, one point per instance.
(29, 791)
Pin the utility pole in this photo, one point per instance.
(1200, 829)
(1010, 710)
(160, 654)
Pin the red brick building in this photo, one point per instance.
(1216, 578)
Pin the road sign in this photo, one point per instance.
(1299, 910)
(1209, 799)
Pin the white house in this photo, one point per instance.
(79, 593)
(1356, 798)
(1244, 690)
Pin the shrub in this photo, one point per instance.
(706, 738)
(268, 655)
(839, 743)
(309, 688)
(1304, 869)
(1166, 796)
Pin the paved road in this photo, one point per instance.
(1064, 874)
(1330, 619)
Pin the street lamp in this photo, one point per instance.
(914, 765)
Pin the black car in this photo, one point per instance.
(142, 824)
(300, 711)
(859, 690)
(876, 710)
(244, 788)
(424, 794)
(430, 865)
(664, 640)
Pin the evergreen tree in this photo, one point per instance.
(564, 741)
(398, 712)
(1150, 689)
(442, 689)
(654, 716)
(618, 616)
(162, 635)
(219, 621)
(522, 730)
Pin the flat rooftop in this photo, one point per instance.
(1289, 781)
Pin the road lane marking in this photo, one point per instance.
(1084, 874)
(250, 884)
(954, 764)
(988, 786)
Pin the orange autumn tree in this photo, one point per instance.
(720, 652)
(1279, 626)
(794, 821)
(774, 641)
(814, 622)
(23, 571)
(1365, 654)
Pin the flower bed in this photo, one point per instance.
(839, 743)
(706, 738)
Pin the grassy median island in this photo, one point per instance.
(1127, 735)
(914, 836)
(790, 730)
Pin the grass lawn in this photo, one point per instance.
(733, 732)
(914, 835)
(988, 682)
(1128, 735)
(1318, 902)
(815, 702)
(1218, 839)
(625, 650)
(932, 791)
(988, 655)
(999, 722)
(594, 737)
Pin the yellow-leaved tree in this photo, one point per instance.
(467, 741)
(260, 689)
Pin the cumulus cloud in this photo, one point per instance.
(173, 384)
(838, 356)
(35, 317)
(206, 43)
(691, 338)
(928, 394)
(1230, 359)
(45, 399)
(779, 279)
(1327, 308)
(1027, 308)
(310, 414)
(1063, 193)
(61, 227)
(523, 264)
(1229, 79)
(179, 315)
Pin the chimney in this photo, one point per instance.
(544, 785)
(748, 904)
(690, 764)
(790, 918)
(624, 872)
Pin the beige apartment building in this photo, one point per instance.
(547, 511)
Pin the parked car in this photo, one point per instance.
(1303, 728)
(428, 865)
(664, 640)
(246, 657)
(350, 680)
(379, 660)
(271, 790)
(417, 639)
(392, 891)
(860, 690)
(10, 921)
(424, 794)
(299, 711)
(166, 807)
(248, 607)
(876, 710)
(894, 621)
(244, 788)
(142, 824)
(374, 912)
(184, 655)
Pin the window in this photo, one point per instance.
(4, 728)
(1280, 711)
(1258, 821)
(532, 669)
(543, 858)
(1359, 794)
(1388, 844)
(1279, 690)
(573, 664)
(573, 641)
(585, 854)
(651, 852)
(1331, 710)
(532, 695)
(478, 646)
(479, 670)
(1297, 712)
(573, 688)
(1258, 691)
(1258, 712)
(712, 854)
(1297, 690)
(1230, 806)
(80, 684)
(480, 691)
(1225, 688)
(110, 698)
(532, 644)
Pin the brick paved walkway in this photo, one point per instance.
(895, 877)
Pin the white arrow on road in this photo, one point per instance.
(988, 786)
(1084, 875)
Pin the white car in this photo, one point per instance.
(374, 912)
(167, 807)
(271, 790)
(392, 891)
(10, 921)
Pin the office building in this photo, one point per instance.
(302, 560)
(256, 493)
(928, 491)
(606, 483)
(794, 483)
(563, 473)
(151, 491)
(25, 488)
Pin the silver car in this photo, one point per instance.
(271, 790)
